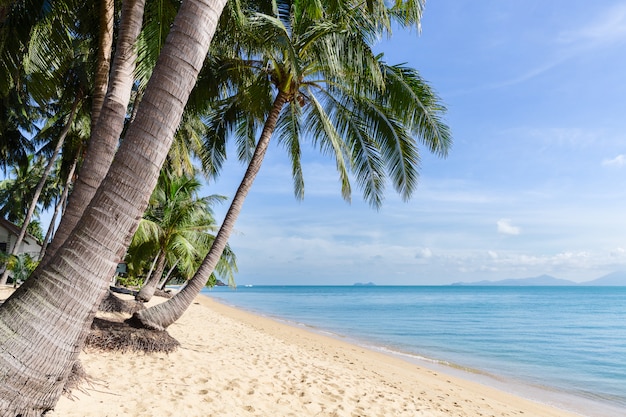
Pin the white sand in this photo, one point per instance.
(232, 363)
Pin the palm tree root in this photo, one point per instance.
(113, 304)
(77, 377)
(121, 336)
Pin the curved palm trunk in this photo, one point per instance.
(43, 325)
(165, 280)
(147, 291)
(57, 208)
(162, 315)
(103, 60)
(42, 182)
(105, 136)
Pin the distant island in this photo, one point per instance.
(614, 279)
(367, 284)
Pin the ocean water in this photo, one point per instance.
(563, 345)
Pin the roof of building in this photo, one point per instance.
(15, 230)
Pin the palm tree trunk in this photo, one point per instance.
(57, 208)
(106, 135)
(162, 315)
(147, 291)
(42, 182)
(103, 60)
(167, 276)
(43, 325)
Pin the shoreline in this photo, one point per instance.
(235, 363)
(563, 387)
(542, 395)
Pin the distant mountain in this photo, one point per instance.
(367, 284)
(542, 280)
(616, 279)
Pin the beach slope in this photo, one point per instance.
(232, 363)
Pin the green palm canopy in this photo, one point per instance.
(305, 71)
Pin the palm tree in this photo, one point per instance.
(21, 266)
(14, 145)
(41, 184)
(45, 322)
(329, 86)
(103, 61)
(176, 224)
(71, 70)
(17, 191)
(104, 140)
(50, 54)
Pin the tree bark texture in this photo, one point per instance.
(160, 316)
(106, 134)
(44, 324)
(103, 59)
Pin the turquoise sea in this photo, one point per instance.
(561, 345)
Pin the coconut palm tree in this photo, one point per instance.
(326, 85)
(104, 141)
(42, 183)
(21, 266)
(63, 103)
(176, 224)
(15, 146)
(50, 55)
(45, 322)
(16, 192)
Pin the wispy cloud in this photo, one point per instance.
(618, 161)
(505, 227)
(606, 28)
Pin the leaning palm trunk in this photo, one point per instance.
(103, 61)
(57, 208)
(147, 291)
(43, 325)
(109, 125)
(162, 315)
(42, 183)
(165, 280)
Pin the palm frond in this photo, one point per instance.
(288, 131)
(325, 135)
(412, 99)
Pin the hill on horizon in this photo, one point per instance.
(617, 279)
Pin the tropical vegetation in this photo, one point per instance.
(302, 71)
(311, 75)
(175, 233)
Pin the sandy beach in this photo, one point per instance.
(232, 363)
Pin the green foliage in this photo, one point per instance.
(35, 230)
(21, 266)
(16, 192)
(343, 99)
(130, 281)
(179, 223)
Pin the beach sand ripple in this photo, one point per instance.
(233, 364)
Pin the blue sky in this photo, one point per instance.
(535, 182)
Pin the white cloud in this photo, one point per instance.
(618, 161)
(423, 253)
(505, 227)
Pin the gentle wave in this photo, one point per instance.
(565, 340)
